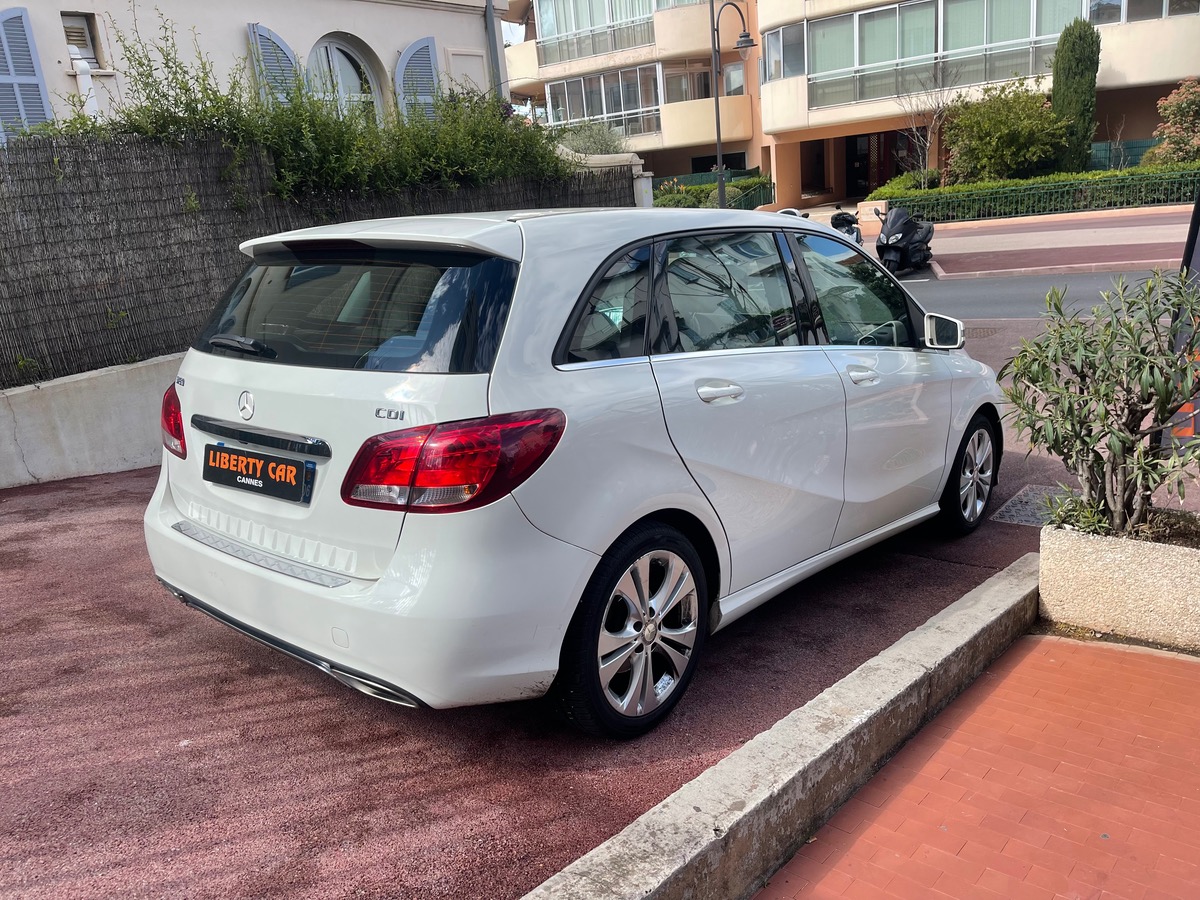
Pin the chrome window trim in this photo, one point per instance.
(602, 363)
(262, 437)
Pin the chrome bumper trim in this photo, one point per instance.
(257, 557)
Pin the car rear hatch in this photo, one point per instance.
(320, 346)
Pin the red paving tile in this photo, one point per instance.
(1068, 769)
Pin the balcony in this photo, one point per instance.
(683, 31)
(522, 64)
(597, 42)
(959, 68)
(691, 123)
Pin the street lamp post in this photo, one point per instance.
(743, 46)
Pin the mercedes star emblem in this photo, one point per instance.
(246, 405)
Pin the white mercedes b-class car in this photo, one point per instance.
(472, 458)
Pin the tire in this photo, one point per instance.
(968, 492)
(630, 652)
(892, 265)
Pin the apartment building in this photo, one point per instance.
(377, 54)
(821, 104)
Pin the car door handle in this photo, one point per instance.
(709, 391)
(862, 375)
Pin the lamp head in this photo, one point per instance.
(744, 44)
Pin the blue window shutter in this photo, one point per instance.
(24, 100)
(417, 78)
(275, 65)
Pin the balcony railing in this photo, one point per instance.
(957, 68)
(642, 121)
(625, 36)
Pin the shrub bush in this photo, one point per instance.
(731, 194)
(472, 139)
(677, 201)
(906, 183)
(1099, 392)
(1180, 130)
(1076, 61)
(1010, 132)
(592, 139)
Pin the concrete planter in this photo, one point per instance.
(1114, 585)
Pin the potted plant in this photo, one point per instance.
(1104, 392)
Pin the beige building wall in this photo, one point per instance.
(377, 30)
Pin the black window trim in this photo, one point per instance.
(562, 347)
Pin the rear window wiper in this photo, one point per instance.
(242, 344)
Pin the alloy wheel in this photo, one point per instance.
(647, 633)
(976, 476)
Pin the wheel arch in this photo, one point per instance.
(698, 534)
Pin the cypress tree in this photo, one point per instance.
(1076, 62)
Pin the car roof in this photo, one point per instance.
(502, 233)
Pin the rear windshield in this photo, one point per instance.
(381, 310)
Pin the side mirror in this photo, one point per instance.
(943, 332)
(804, 215)
(878, 214)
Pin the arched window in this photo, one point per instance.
(339, 71)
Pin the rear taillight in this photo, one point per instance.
(452, 467)
(172, 424)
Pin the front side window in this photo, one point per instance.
(722, 292)
(390, 311)
(613, 325)
(858, 302)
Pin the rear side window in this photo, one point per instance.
(379, 310)
(613, 325)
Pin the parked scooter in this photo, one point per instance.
(847, 224)
(904, 241)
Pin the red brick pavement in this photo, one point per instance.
(1069, 769)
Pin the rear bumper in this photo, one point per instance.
(360, 681)
(472, 608)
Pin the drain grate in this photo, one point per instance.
(977, 333)
(1028, 505)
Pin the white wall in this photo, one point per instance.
(383, 29)
(102, 421)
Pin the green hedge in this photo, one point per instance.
(1073, 192)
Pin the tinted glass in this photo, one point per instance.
(381, 311)
(614, 321)
(724, 292)
(858, 302)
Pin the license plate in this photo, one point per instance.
(260, 473)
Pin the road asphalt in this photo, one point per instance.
(148, 752)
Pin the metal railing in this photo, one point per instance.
(705, 177)
(1113, 192)
(957, 68)
(1118, 154)
(606, 39)
(759, 195)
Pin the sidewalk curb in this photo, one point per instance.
(1141, 265)
(726, 831)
